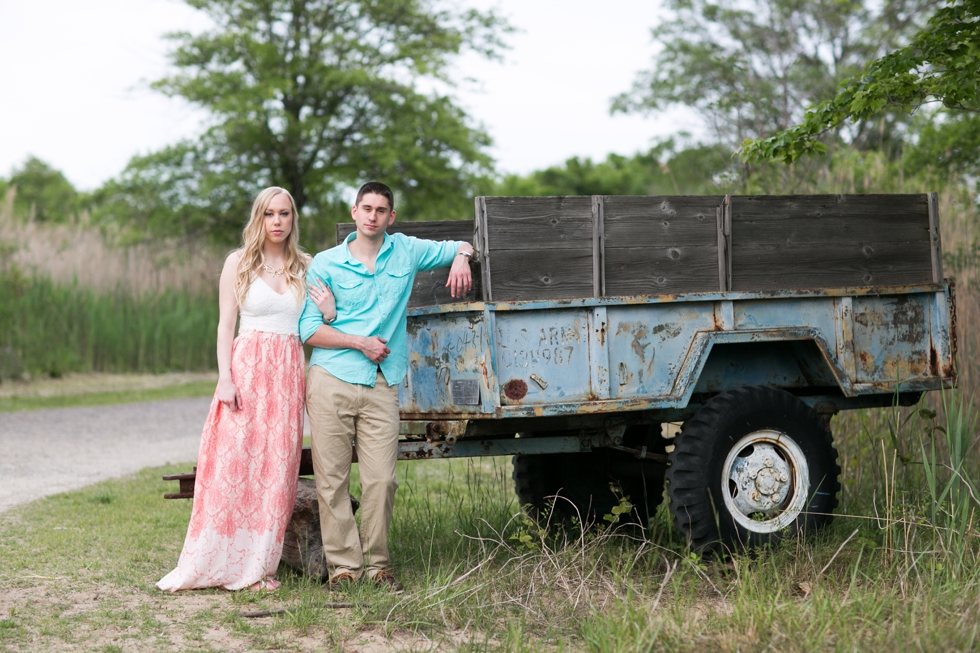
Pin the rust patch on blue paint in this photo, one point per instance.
(515, 389)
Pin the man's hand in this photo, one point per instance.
(374, 348)
(460, 278)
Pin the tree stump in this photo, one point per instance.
(302, 547)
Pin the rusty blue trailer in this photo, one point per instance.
(595, 321)
(476, 366)
(577, 390)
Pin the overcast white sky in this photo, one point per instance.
(75, 74)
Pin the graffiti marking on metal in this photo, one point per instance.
(583, 356)
(553, 345)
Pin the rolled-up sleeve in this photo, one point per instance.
(311, 318)
(432, 254)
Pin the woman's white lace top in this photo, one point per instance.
(266, 310)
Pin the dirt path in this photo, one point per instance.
(60, 449)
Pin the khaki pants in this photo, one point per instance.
(342, 414)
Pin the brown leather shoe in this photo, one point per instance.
(341, 582)
(386, 580)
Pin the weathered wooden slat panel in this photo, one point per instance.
(480, 243)
(598, 244)
(547, 274)
(539, 247)
(660, 244)
(726, 218)
(634, 221)
(802, 219)
(722, 249)
(934, 238)
(829, 265)
(657, 270)
(821, 241)
(434, 230)
(538, 223)
(430, 288)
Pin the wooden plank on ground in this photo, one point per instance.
(660, 244)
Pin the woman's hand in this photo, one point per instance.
(227, 393)
(324, 300)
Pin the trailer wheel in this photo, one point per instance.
(751, 466)
(577, 485)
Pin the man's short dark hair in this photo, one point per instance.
(376, 188)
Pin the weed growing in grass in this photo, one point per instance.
(104, 497)
(624, 507)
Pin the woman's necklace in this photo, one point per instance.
(276, 271)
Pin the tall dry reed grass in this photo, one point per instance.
(75, 251)
(72, 300)
(897, 463)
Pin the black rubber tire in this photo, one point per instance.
(577, 485)
(696, 480)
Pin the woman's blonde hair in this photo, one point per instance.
(253, 237)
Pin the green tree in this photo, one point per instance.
(696, 170)
(315, 96)
(749, 68)
(42, 192)
(940, 64)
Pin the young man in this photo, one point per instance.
(358, 361)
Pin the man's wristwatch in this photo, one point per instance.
(466, 254)
(326, 321)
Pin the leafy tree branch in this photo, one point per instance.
(941, 64)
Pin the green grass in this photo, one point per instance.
(890, 573)
(17, 403)
(53, 328)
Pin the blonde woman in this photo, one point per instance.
(248, 464)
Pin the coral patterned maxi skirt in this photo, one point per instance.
(247, 470)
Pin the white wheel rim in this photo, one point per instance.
(765, 481)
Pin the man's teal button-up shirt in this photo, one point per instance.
(371, 304)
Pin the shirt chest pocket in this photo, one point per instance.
(351, 293)
(398, 281)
